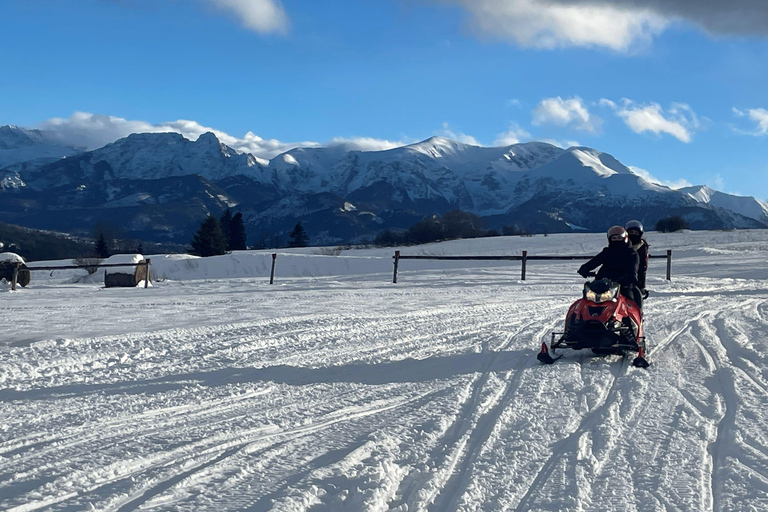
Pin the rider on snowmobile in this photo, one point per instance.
(618, 262)
(635, 233)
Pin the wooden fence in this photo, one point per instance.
(75, 267)
(524, 258)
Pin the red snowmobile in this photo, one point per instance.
(604, 321)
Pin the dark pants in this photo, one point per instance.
(633, 292)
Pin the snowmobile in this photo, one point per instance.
(604, 321)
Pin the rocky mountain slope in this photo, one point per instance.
(159, 187)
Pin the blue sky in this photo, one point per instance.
(678, 88)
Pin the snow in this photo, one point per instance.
(117, 259)
(591, 158)
(11, 256)
(484, 180)
(334, 389)
(747, 206)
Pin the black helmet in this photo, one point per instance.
(634, 224)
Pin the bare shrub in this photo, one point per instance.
(89, 264)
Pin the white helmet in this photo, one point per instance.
(617, 234)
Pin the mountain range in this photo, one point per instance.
(160, 186)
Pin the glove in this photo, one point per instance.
(645, 293)
(585, 273)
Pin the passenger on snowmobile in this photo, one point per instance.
(635, 233)
(618, 262)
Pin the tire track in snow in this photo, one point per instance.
(213, 413)
(720, 386)
(730, 379)
(457, 484)
(198, 456)
(568, 447)
(723, 357)
(460, 441)
(251, 447)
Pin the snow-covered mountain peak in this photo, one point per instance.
(702, 193)
(19, 145)
(438, 147)
(14, 137)
(601, 163)
(747, 206)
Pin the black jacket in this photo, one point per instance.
(642, 252)
(619, 263)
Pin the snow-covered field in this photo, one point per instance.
(335, 390)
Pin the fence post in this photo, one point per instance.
(525, 262)
(146, 276)
(397, 262)
(669, 264)
(15, 275)
(272, 273)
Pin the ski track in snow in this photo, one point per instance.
(331, 394)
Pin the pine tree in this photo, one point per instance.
(209, 239)
(237, 237)
(298, 236)
(225, 222)
(102, 248)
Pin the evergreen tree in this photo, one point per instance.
(237, 237)
(102, 248)
(140, 248)
(209, 239)
(298, 236)
(225, 223)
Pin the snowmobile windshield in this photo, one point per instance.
(601, 290)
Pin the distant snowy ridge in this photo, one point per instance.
(344, 194)
(747, 206)
(18, 145)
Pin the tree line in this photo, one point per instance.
(226, 234)
(451, 225)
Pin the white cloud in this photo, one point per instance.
(679, 120)
(93, 131)
(647, 176)
(551, 24)
(264, 16)
(620, 25)
(759, 116)
(447, 131)
(365, 143)
(570, 112)
(514, 135)
(716, 182)
(564, 144)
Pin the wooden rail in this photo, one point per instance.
(524, 258)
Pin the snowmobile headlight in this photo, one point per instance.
(605, 296)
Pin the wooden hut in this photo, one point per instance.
(130, 275)
(8, 262)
